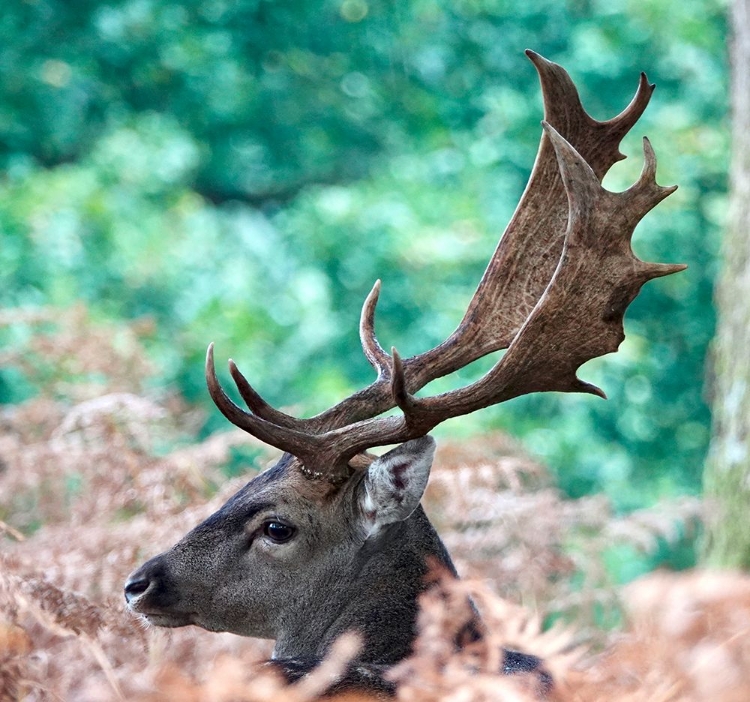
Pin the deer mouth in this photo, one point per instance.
(166, 620)
(160, 617)
(151, 613)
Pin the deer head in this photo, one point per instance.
(332, 538)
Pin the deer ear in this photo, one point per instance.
(394, 484)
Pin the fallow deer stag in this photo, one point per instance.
(332, 539)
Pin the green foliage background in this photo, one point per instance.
(243, 171)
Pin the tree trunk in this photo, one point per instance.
(727, 475)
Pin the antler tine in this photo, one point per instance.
(646, 190)
(398, 383)
(282, 437)
(374, 352)
(619, 126)
(258, 406)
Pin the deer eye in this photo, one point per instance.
(278, 532)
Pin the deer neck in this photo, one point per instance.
(374, 595)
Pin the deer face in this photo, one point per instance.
(283, 546)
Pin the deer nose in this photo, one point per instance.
(136, 585)
(150, 587)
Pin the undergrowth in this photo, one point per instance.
(97, 474)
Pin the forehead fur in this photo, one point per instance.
(286, 474)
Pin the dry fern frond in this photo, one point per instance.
(535, 545)
(689, 640)
(71, 356)
(85, 497)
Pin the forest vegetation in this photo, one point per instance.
(176, 173)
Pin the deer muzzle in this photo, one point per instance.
(150, 593)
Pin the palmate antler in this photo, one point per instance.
(554, 294)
